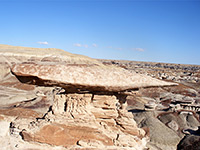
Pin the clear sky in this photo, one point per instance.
(145, 30)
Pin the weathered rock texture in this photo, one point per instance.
(52, 99)
(17, 54)
(59, 100)
(86, 120)
(87, 77)
(166, 111)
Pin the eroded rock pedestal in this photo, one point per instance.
(55, 100)
(88, 121)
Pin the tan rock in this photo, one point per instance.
(86, 77)
(79, 120)
(59, 104)
(20, 112)
(4, 135)
(18, 54)
(4, 130)
(60, 134)
(105, 102)
(104, 114)
(11, 95)
(5, 70)
(1, 117)
(43, 92)
(52, 66)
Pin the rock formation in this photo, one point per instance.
(166, 111)
(54, 99)
(86, 77)
(190, 141)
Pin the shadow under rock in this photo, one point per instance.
(193, 132)
(136, 110)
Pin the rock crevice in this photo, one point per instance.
(91, 120)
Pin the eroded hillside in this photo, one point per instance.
(168, 111)
(52, 99)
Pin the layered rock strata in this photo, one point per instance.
(166, 111)
(86, 77)
(88, 121)
(57, 100)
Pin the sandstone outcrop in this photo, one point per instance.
(86, 77)
(168, 109)
(86, 120)
(52, 99)
(57, 99)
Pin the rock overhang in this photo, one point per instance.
(84, 77)
(92, 87)
(71, 71)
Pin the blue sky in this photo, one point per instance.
(146, 30)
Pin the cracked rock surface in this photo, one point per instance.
(54, 100)
(51, 99)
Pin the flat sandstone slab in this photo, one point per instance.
(87, 77)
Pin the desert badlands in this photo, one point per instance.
(54, 100)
